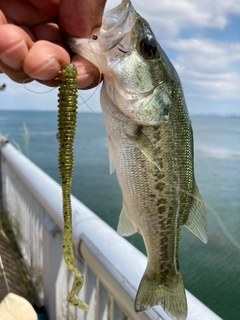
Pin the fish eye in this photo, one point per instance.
(148, 47)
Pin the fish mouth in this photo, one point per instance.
(116, 25)
(116, 16)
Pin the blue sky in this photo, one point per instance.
(201, 38)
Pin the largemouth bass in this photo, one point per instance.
(151, 147)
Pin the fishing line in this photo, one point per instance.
(37, 92)
(95, 90)
(88, 106)
(94, 113)
(220, 222)
(85, 101)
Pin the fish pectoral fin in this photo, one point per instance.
(142, 142)
(125, 226)
(111, 156)
(196, 221)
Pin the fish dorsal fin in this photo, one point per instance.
(125, 226)
(196, 221)
(111, 156)
(142, 142)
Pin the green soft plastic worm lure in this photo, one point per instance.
(67, 120)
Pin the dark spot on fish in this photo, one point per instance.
(161, 209)
(94, 37)
(161, 201)
(160, 186)
(159, 174)
(171, 209)
(156, 135)
(166, 110)
(162, 243)
(169, 221)
(152, 195)
(158, 149)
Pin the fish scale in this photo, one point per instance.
(151, 147)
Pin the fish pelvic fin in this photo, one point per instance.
(125, 226)
(196, 221)
(169, 295)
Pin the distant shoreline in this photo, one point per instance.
(205, 115)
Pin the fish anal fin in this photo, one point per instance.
(142, 142)
(196, 221)
(169, 295)
(125, 226)
(111, 156)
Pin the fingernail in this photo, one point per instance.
(15, 56)
(47, 70)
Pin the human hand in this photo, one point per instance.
(32, 45)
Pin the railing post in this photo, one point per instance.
(52, 256)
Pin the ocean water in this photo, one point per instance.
(211, 272)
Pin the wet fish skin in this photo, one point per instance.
(151, 147)
(151, 208)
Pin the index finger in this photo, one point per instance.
(78, 18)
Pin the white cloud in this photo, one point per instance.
(208, 66)
(171, 16)
(217, 87)
(207, 54)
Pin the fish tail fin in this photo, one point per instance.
(169, 295)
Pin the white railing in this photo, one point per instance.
(112, 267)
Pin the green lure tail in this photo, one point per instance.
(67, 120)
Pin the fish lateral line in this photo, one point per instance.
(67, 122)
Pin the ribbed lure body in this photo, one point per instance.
(67, 120)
